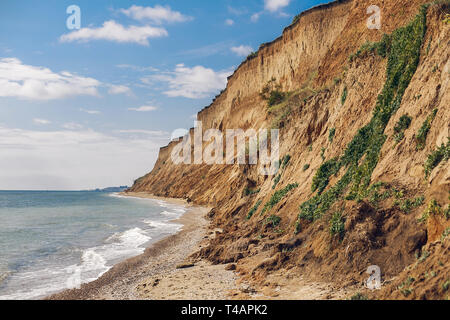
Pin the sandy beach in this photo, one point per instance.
(164, 270)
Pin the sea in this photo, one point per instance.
(51, 241)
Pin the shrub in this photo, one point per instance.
(298, 227)
(331, 134)
(405, 287)
(252, 55)
(421, 137)
(403, 123)
(344, 95)
(446, 233)
(277, 197)
(433, 209)
(321, 179)
(306, 167)
(446, 285)
(254, 209)
(276, 97)
(409, 204)
(436, 157)
(381, 48)
(276, 181)
(273, 220)
(285, 162)
(337, 225)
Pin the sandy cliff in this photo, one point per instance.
(366, 179)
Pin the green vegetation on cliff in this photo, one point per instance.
(402, 48)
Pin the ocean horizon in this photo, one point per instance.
(49, 239)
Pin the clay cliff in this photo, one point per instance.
(364, 118)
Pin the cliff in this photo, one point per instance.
(364, 127)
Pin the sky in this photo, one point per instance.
(89, 107)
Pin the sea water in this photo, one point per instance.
(50, 239)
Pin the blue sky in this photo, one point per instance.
(90, 107)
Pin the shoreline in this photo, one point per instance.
(156, 274)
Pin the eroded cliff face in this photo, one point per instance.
(392, 209)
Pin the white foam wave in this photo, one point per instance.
(94, 263)
(164, 226)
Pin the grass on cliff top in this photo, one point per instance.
(402, 48)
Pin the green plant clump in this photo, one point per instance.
(381, 48)
(254, 209)
(403, 53)
(408, 204)
(331, 134)
(306, 167)
(433, 209)
(276, 181)
(436, 157)
(285, 162)
(252, 55)
(277, 197)
(445, 234)
(337, 225)
(421, 137)
(344, 95)
(403, 123)
(405, 288)
(273, 220)
(276, 97)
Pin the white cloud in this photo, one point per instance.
(144, 109)
(157, 14)
(38, 83)
(255, 17)
(194, 83)
(119, 89)
(67, 159)
(275, 5)
(242, 50)
(90, 111)
(72, 126)
(113, 31)
(41, 121)
(229, 22)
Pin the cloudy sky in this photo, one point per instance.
(90, 107)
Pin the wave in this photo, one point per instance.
(164, 226)
(95, 262)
